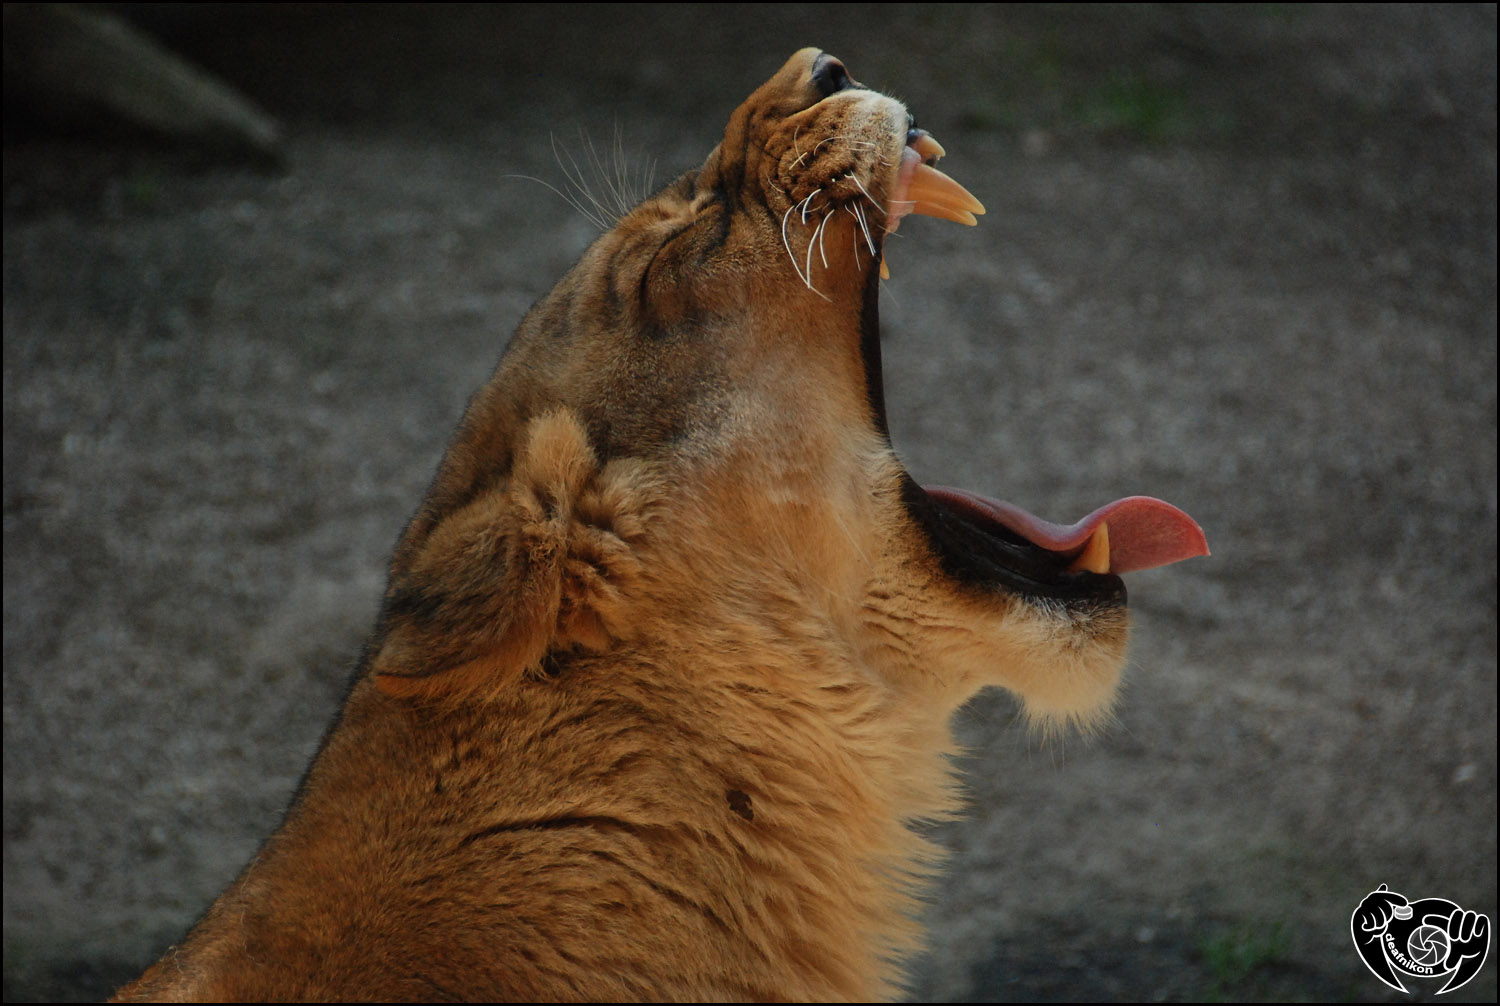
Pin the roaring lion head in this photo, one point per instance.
(666, 660)
(718, 351)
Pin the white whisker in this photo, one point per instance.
(854, 237)
(591, 159)
(574, 172)
(806, 204)
(613, 175)
(858, 184)
(820, 234)
(809, 263)
(807, 275)
(837, 137)
(787, 244)
(587, 214)
(621, 186)
(859, 214)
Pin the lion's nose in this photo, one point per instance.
(829, 75)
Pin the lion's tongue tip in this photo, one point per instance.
(1141, 533)
(1159, 534)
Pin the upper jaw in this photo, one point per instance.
(853, 163)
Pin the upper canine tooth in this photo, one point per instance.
(937, 195)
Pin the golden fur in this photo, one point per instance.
(665, 665)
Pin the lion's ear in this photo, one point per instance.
(535, 565)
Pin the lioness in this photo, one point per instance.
(665, 665)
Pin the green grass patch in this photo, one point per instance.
(1233, 959)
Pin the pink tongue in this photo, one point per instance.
(1143, 531)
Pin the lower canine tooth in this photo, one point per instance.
(1095, 555)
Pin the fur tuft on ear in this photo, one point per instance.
(537, 564)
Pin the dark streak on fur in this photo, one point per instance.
(721, 206)
(731, 170)
(552, 665)
(674, 896)
(438, 993)
(421, 606)
(599, 823)
(643, 290)
(739, 802)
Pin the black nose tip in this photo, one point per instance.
(829, 75)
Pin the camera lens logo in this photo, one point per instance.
(1429, 938)
(1428, 946)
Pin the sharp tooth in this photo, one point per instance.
(1095, 555)
(937, 195)
(926, 147)
(930, 209)
(885, 272)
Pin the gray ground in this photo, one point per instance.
(1242, 257)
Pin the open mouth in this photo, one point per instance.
(992, 541)
(924, 190)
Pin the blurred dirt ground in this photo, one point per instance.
(1242, 257)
